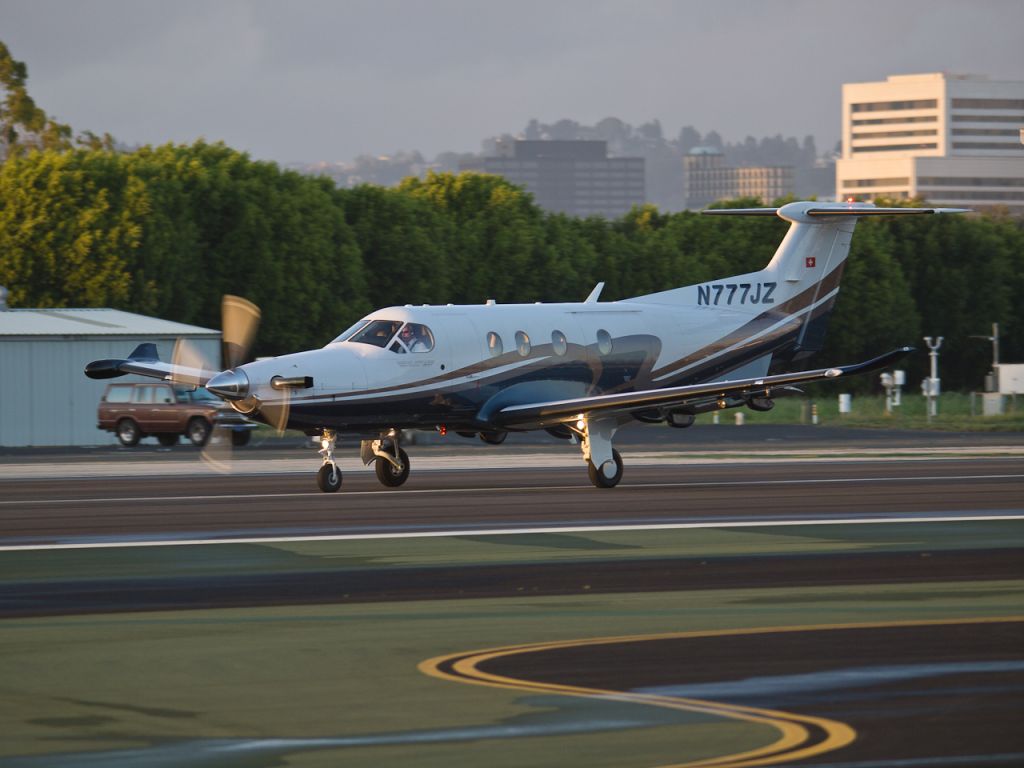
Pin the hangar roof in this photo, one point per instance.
(92, 322)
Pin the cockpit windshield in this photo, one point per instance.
(376, 332)
(348, 332)
(390, 334)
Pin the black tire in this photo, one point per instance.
(198, 431)
(128, 433)
(240, 437)
(167, 439)
(390, 476)
(597, 477)
(493, 438)
(329, 478)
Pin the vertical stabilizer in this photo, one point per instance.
(801, 282)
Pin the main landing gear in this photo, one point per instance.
(391, 462)
(604, 464)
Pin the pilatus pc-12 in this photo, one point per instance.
(578, 370)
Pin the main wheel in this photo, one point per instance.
(600, 479)
(388, 475)
(198, 431)
(128, 433)
(493, 438)
(329, 478)
(168, 439)
(240, 437)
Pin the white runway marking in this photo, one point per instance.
(307, 465)
(454, 532)
(310, 495)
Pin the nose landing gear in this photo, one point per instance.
(329, 476)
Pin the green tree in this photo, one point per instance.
(23, 125)
(70, 225)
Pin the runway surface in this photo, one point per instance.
(802, 605)
(128, 509)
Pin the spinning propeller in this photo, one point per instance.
(240, 319)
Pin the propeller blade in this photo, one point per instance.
(276, 413)
(186, 360)
(239, 320)
(218, 452)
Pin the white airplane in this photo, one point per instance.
(579, 370)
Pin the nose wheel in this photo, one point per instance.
(328, 478)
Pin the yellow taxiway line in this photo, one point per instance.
(800, 736)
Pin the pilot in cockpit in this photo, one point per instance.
(412, 338)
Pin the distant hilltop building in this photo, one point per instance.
(951, 139)
(573, 177)
(708, 179)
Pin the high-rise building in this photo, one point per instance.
(573, 177)
(708, 179)
(951, 139)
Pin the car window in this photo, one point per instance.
(377, 332)
(143, 395)
(120, 393)
(203, 395)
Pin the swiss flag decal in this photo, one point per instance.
(811, 262)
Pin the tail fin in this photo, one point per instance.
(802, 279)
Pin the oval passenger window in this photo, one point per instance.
(522, 343)
(559, 343)
(604, 342)
(494, 345)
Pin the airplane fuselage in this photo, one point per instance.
(487, 356)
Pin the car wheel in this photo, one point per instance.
(167, 440)
(198, 431)
(240, 437)
(128, 433)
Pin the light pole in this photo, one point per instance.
(931, 384)
(994, 338)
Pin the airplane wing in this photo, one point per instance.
(144, 361)
(692, 394)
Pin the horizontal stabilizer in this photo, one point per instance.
(792, 211)
(145, 361)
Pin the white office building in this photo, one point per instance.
(951, 139)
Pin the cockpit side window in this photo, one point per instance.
(413, 337)
(376, 332)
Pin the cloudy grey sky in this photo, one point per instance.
(332, 79)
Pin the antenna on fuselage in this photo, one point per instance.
(592, 298)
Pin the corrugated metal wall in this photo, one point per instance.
(46, 399)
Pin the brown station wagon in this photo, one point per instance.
(167, 411)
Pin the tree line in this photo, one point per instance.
(166, 231)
